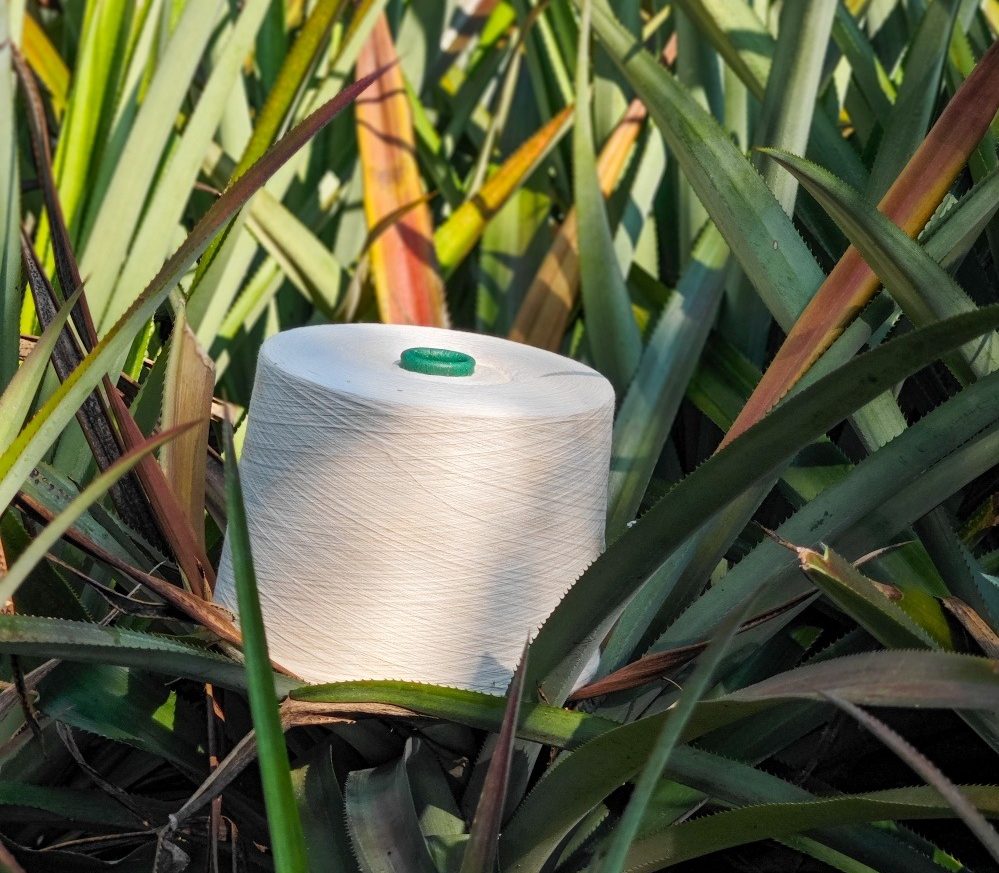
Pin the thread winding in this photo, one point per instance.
(407, 526)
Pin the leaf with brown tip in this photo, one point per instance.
(404, 270)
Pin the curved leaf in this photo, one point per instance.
(733, 828)
(923, 289)
(570, 633)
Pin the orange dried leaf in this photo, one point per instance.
(187, 397)
(544, 314)
(404, 270)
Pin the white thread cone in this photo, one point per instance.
(417, 527)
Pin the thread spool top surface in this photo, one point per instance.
(366, 361)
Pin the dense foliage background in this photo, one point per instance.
(666, 190)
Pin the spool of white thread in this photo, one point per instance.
(411, 526)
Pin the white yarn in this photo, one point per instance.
(406, 526)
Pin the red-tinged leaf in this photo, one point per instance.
(551, 298)
(483, 838)
(8, 863)
(209, 616)
(459, 234)
(404, 270)
(910, 202)
(173, 521)
(657, 665)
(95, 490)
(158, 497)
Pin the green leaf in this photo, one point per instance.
(569, 791)
(321, 806)
(10, 218)
(909, 120)
(17, 397)
(956, 799)
(91, 107)
(875, 501)
(748, 47)
(114, 222)
(949, 238)
(550, 725)
(48, 423)
(287, 839)
(918, 283)
(39, 637)
(760, 234)
(153, 236)
(614, 340)
(123, 705)
(727, 829)
(873, 609)
(382, 820)
(664, 371)
(277, 109)
(786, 117)
(953, 681)
(694, 689)
(56, 804)
(865, 66)
(571, 632)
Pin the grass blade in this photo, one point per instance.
(287, 839)
(614, 340)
